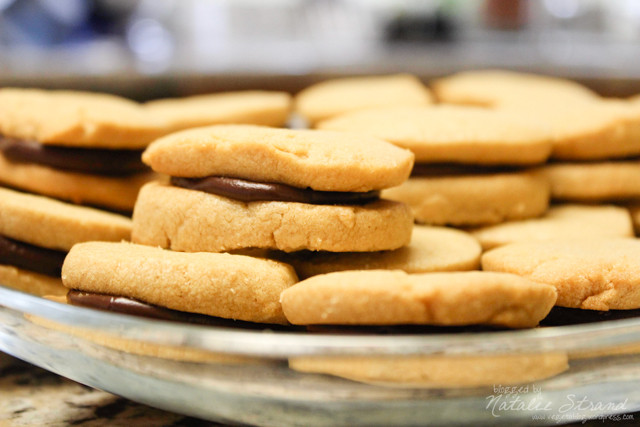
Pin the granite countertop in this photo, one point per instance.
(31, 396)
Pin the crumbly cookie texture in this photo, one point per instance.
(491, 88)
(453, 133)
(192, 221)
(254, 107)
(324, 161)
(118, 193)
(437, 371)
(30, 282)
(593, 274)
(593, 182)
(53, 224)
(222, 285)
(599, 129)
(472, 200)
(81, 119)
(560, 222)
(338, 96)
(383, 297)
(431, 249)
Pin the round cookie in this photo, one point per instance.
(28, 281)
(338, 96)
(189, 220)
(453, 134)
(322, 161)
(79, 119)
(383, 297)
(491, 88)
(599, 129)
(437, 371)
(560, 222)
(474, 200)
(221, 285)
(592, 274)
(431, 249)
(591, 182)
(254, 107)
(48, 223)
(117, 193)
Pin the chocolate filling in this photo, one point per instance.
(134, 307)
(32, 258)
(87, 160)
(447, 169)
(561, 316)
(250, 191)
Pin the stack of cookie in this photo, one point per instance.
(473, 166)
(237, 187)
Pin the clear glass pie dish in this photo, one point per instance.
(244, 376)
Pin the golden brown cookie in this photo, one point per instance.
(597, 181)
(473, 200)
(28, 281)
(117, 193)
(453, 133)
(338, 96)
(383, 297)
(593, 274)
(491, 88)
(49, 223)
(560, 222)
(81, 119)
(323, 161)
(253, 107)
(221, 285)
(192, 221)
(431, 249)
(634, 210)
(436, 371)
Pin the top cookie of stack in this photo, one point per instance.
(237, 186)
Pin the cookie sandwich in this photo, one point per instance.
(235, 187)
(37, 232)
(159, 283)
(75, 146)
(473, 166)
(334, 97)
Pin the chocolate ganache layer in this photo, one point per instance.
(85, 160)
(32, 258)
(250, 191)
(447, 169)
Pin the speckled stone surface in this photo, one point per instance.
(31, 396)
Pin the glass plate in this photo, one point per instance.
(242, 376)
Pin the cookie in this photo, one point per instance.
(437, 371)
(31, 282)
(338, 96)
(474, 199)
(634, 210)
(382, 297)
(491, 88)
(560, 222)
(221, 285)
(51, 224)
(192, 221)
(594, 181)
(455, 134)
(77, 119)
(593, 130)
(594, 274)
(112, 192)
(254, 107)
(322, 161)
(431, 249)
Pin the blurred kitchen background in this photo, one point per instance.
(179, 45)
